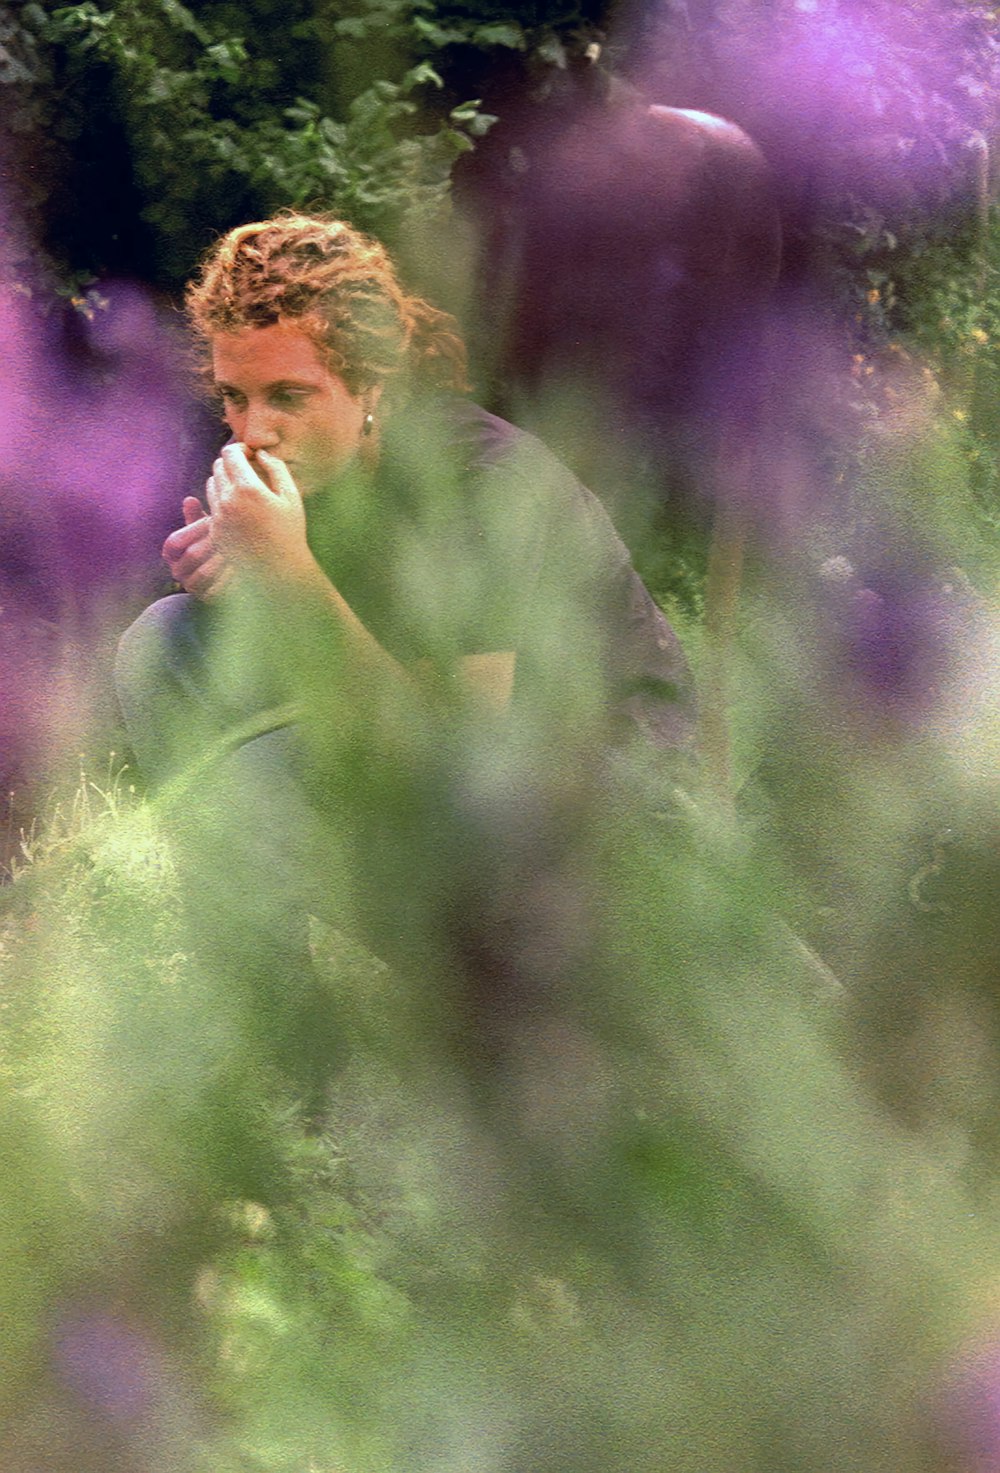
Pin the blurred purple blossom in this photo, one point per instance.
(968, 1410)
(94, 441)
(843, 95)
(100, 437)
(110, 1365)
(896, 635)
(898, 642)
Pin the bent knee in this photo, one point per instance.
(157, 637)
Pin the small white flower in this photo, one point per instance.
(837, 570)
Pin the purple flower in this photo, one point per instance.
(968, 1410)
(895, 636)
(109, 1364)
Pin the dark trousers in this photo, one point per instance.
(255, 856)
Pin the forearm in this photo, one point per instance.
(364, 659)
(318, 647)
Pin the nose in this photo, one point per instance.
(259, 432)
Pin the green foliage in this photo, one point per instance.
(209, 137)
(875, 117)
(614, 1167)
(663, 1237)
(722, 1193)
(223, 114)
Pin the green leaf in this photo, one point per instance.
(181, 17)
(228, 56)
(497, 33)
(418, 76)
(302, 111)
(457, 143)
(352, 27)
(553, 51)
(439, 35)
(333, 132)
(481, 124)
(474, 123)
(34, 16)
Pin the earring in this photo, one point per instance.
(367, 424)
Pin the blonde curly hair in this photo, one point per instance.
(339, 287)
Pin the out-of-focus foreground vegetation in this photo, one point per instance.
(672, 1142)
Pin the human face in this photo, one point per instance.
(279, 396)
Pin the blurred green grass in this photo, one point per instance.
(661, 1135)
(677, 1230)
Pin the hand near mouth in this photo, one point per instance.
(258, 518)
(192, 552)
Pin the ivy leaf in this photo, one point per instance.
(457, 143)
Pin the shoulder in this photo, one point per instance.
(473, 439)
(520, 500)
(483, 438)
(513, 466)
